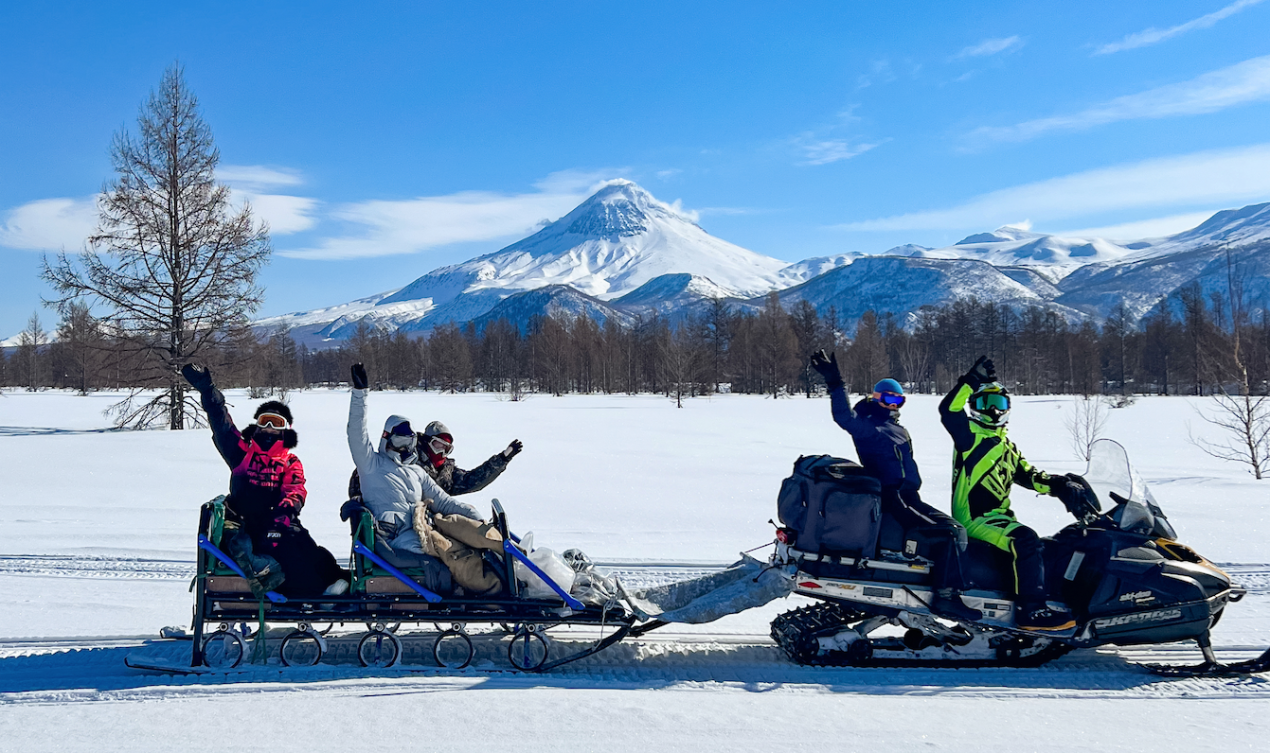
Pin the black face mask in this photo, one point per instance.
(266, 439)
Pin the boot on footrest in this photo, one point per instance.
(948, 604)
(1043, 617)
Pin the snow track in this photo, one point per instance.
(91, 669)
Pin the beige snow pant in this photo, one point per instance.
(457, 541)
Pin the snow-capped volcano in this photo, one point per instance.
(611, 244)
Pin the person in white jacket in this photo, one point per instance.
(393, 486)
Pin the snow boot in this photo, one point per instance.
(948, 604)
(266, 580)
(1044, 618)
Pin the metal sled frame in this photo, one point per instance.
(414, 604)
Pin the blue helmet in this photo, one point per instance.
(889, 394)
(889, 385)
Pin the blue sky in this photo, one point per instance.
(384, 140)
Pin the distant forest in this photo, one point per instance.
(1186, 345)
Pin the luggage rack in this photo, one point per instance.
(396, 597)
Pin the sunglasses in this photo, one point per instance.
(272, 421)
(889, 399)
(440, 447)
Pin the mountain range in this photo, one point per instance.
(623, 254)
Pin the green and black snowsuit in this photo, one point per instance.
(985, 465)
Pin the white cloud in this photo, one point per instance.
(1154, 36)
(990, 47)
(1155, 227)
(257, 176)
(49, 224)
(1242, 83)
(1204, 178)
(668, 173)
(386, 228)
(285, 214)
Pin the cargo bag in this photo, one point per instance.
(832, 505)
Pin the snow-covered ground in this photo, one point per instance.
(96, 549)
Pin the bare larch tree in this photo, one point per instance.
(172, 261)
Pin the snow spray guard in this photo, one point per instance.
(831, 505)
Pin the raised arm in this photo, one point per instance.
(225, 436)
(359, 445)
(952, 415)
(466, 482)
(826, 364)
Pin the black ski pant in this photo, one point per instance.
(946, 537)
(309, 568)
(1004, 532)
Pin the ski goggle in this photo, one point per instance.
(992, 400)
(401, 442)
(272, 421)
(440, 446)
(401, 437)
(889, 399)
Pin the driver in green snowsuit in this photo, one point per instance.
(985, 465)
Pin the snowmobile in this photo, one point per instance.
(1123, 575)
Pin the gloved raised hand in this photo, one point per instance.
(199, 377)
(981, 373)
(513, 449)
(358, 373)
(827, 366)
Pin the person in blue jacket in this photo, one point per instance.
(885, 450)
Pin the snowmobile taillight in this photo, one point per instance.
(809, 584)
(786, 536)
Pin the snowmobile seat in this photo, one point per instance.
(987, 568)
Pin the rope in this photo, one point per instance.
(260, 652)
(760, 546)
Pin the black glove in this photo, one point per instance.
(199, 377)
(827, 367)
(1074, 494)
(981, 373)
(359, 377)
(513, 449)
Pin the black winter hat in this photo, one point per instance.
(274, 406)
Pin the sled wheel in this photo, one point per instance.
(379, 649)
(381, 626)
(302, 648)
(527, 650)
(223, 649)
(453, 649)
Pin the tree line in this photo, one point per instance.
(1186, 345)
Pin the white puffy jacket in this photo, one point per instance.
(392, 488)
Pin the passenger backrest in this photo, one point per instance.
(832, 505)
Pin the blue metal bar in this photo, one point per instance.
(573, 603)
(365, 551)
(273, 596)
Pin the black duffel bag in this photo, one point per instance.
(832, 505)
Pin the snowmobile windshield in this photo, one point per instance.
(1110, 473)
